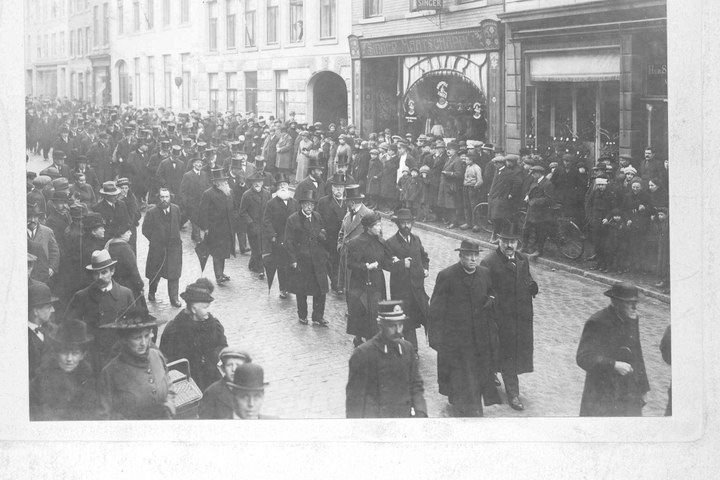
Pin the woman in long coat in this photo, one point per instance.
(374, 177)
(388, 181)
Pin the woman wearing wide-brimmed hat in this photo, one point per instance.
(64, 386)
(135, 384)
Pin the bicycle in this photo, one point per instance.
(481, 219)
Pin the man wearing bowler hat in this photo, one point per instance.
(113, 210)
(383, 379)
(248, 387)
(463, 333)
(40, 313)
(611, 355)
(216, 222)
(513, 288)
(278, 209)
(410, 266)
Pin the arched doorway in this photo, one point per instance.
(327, 98)
(123, 82)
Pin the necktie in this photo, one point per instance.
(37, 330)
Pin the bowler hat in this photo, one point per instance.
(109, 188)
(39, 294)
(100, 259)
(282, 177)
(468, 246)
(217, 174)
(623, 291)
(248, 376)
(402, 215)
(196, 293)
(71, 332)
(338, 178)
(256, 177)
(391, 311)
(370, 220)
(352, 192)
(132, 319)
(165, 145)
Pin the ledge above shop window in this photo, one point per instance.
(467, 6)
(326, 41)
(364, 21)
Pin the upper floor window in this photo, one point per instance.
(250, 7)
(272, 21)
(231, 26)
(136, 15)
(120, 15)
(373, 8)
(212, 25)
(328, 12)
(184, 11)
(166, 12)
(296, 21)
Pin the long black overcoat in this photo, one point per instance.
(164, 257)
(303, 241)
(216, 216)
(408, 284)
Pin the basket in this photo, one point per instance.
(187, 393)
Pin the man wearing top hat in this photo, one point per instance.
(383, 379)
(463, 333)
(42, 243)
(113, 211)
(40, 314)
(268, 178)
(350, 228)
(540, 201)
(252, 216)
(332, 210)
(100, 303)
(313, 181)
(238, 173)
(409, 268)
(307, 258)
(278, 209)
(171, 170)
(610, 353)
(514, 289)
(215, 220)
(193, 184)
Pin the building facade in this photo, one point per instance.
(80, 40)
(595, 71)
(443, 73)
(46, 52)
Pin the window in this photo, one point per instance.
(120, 15)
(150, 14)
(39, 47)
(213, 89)
(62, 43)
(212, 26)
(373, 8)
(166, 12)
(96, 26)
(167, 83)
(185, 60)
(272, 21)
(231, 15)
(81, 87)
(230, 81)
(250, 6)
(53, 46)
(73, 84)
(281, 94)
(136, 15)
(296, 21)
(251, 92)
(184, 11)
(136, 98)
(106, 25)
(87, 39)
(151, 81)
(72, 44)
(46, 52)
(327, 18)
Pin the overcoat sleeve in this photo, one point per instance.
(355, 392)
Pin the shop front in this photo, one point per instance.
(447, 83)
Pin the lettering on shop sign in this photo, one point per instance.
(657, 70)
(429, 4)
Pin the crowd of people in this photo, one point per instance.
(228, 178)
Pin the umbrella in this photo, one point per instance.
(370, 298)
(270, 268)
(203, 252)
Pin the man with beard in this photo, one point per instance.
(252, 215)
(279, 208)
(366, 262)
(216, 222)
(133, 207)
(610, 353)
(304, 234)
(164, 260)
(513, 288)
(313, 181)
(113, 211)
(332, 211)
(42, 243)
(462, 332)
(40, 313)
(383, 379)
(192, 186)
(410, 266)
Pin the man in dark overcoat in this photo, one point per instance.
(540, 200)
(40, 312)
(366, 260)
(332, 211)
(410, 265)
(451, 180)
(383, 379)
(113, 210)
(238, 173)
(513, 288)
(611, 355)
(164, 260)
(313, 181)
(192, 186)
(42, 243)
(252, 215)
(350, 228)
(304, 234)
(100, 157)
(463, 333)
(171, 170)
(504, 197)
(216, 222)
(278, 209)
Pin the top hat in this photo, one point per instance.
(391, 311)
(200, 146)
(39, 294)
(468, 246)
(176, 149)
(352, 192)
(625, 291)
(256, 177)
(338, 179)
(217, 174)
(307, 196)
(71, 332)
(507, 231)
(196, 293)
(232, 352)
(133, 319)
(282, 177)
(370, 220)
(165, 144)
(109, 188)
(248, 376)
(402, 215)
(235, 162)
(313, 164)
(100, 259)
(259, 159)
(236, 147)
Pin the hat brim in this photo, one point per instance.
(52, 299)
(402, 219)
(234, 386)
(132, 326)
(609, 293)
(356, 197)
(189, 298)
(468, 250)
(509, 237)
(100, 267)
(401, 318)
(88, 339)
(103, 192)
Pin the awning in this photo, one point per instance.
(575, 66)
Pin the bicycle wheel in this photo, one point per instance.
(480, 217)
(570, 239)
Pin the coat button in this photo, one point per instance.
(152, 380)
(148, 370)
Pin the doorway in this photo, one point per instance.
(327, 98)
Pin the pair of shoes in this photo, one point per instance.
(339, 292)
(222, 279)
(303, 320)
(453, 225)
(591, 258)
(603, 270)
(357, 341)
(151, 297)
(476, 229)
(175, 303)
(661, 284)
(321, 323)
(515, 403)
(261, 275)
(283, 294)
(464, 226)
(497, 380)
